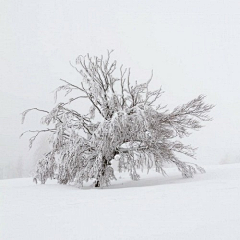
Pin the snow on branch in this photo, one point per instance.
(133, 130)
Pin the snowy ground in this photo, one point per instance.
(156, 207)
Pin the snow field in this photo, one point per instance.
(156, 207)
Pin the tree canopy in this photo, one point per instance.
(132, 129)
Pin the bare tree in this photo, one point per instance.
(132, 130)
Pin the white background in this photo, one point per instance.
(192, 46)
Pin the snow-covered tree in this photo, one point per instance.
(131, 128)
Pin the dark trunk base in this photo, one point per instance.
(105, 164)
(97, 184)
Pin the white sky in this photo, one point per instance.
(192, 46)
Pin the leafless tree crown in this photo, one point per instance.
(134, 130)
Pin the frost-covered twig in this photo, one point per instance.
(132, 129)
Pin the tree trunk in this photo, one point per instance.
(97, 184)
(105, 164)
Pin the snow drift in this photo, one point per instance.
(155, 207)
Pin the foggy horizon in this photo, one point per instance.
(192, 48)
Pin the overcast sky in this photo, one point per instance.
(192, 46)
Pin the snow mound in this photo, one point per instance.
(155, 207)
